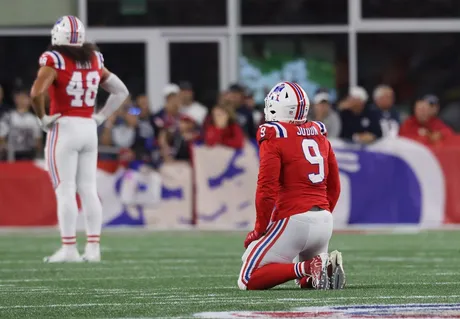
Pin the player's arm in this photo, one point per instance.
(118, 94)
(45, 77)
(333, 180)
(268, 180)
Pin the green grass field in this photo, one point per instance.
(177, 274)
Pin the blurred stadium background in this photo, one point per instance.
(180, 154)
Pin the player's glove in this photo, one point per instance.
(253, 235)
(99, 118)
(48, 120)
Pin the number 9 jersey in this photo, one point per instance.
(74, 91)
(298, 170)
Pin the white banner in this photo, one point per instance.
(225, 186)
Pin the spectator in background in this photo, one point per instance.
(251, 104)
(168, 117)
(451, 116)
(360, 123)
(236, 97)
(174, 131)
(20, 130)
(119, 130)
(222, 128)
(384, 98)
(3, 107)
(175, 144)
(424, 126)
(144, 137)
(189, 107)
(324, 112)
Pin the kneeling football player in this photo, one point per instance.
(297, 189)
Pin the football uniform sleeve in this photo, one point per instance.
(99, 59)
(333, 180)
(52, 59)
(268, 180)
(265, 132)
(322, 127)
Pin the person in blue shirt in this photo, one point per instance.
(244, 115)
(360, 123)
(390, 121)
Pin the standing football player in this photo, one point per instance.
(297, 189)
(71, 71)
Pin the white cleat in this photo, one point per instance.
(65, 254)
(92, 253)
(338, 278)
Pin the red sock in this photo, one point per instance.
(272, 275)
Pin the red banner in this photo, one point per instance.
(26, 196)
(448, 155)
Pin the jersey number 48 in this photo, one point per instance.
(314, 157)
(80, 93)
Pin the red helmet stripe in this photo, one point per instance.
(303, 101)
(297, 113)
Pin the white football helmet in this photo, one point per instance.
(68, 30)
(287, 102)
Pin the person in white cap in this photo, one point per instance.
(384, 98)
(323, 112)
(360, 123)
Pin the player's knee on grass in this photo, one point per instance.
(241, 285)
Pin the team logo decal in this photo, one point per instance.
(276, 92)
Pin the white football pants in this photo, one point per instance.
(299, 237)
(71, 158)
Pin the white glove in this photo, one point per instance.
(99, 118)
(48, 120)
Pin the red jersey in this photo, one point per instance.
(298, 170)
(74, 91)
(415, 130)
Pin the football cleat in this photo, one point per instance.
(65, 254)
(336, 272)
(318, 269)
(92, 253)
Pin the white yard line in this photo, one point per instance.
(115, 278)
(225, 300)
(368, 298)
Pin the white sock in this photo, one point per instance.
(92, 212)
(67, 213)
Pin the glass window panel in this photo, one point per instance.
(410, 9)
(19, 62)
(411, 64)
(293, 12)
(127, 60)
(24, 13)
(203, 73)
(157, 13)
(313, 61)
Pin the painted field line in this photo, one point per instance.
(367, 298)
(79, 290)
(244, 300)
(113, 278)
(411, 283)
(405, 259)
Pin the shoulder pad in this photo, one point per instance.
(100, 59)
(271, 130)
(321, 126)
(52, 59)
